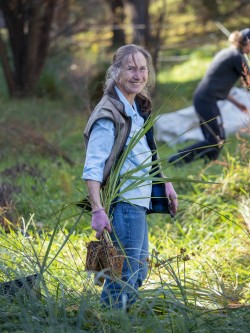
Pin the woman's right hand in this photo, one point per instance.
(100, 221)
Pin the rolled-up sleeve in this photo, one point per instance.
(99, 148)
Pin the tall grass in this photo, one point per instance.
(198, 281)
(184, 293)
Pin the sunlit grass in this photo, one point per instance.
(182, 73)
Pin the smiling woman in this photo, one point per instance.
(133, 76)
(120, 58)
(118, 134)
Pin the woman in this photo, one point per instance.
(119, 116)
(226, 68)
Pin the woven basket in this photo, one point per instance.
(93, 262)
(103, 255)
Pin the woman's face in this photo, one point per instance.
(133, 75)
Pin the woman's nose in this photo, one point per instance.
(137, 73)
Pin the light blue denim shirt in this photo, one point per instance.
(99, 148)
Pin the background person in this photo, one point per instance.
(119, 116)
(226, 68)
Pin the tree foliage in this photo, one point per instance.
(206, 11)
(31, 25)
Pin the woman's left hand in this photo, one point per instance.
(172, 196)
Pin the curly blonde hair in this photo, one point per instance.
(237, 39)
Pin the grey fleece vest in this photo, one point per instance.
(113, 109)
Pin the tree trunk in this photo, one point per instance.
(6, 68)
(28, 25)
(156, 39)
(143, 34)
(118, 14)
(141, 21)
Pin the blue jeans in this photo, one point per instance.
(129, 231)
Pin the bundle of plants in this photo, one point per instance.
(102, 255)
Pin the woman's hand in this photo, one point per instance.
(100, 221)
(172, 197)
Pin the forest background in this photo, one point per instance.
(53, 58)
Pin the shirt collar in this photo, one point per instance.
(130, 111)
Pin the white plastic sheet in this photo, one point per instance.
(183, 125)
